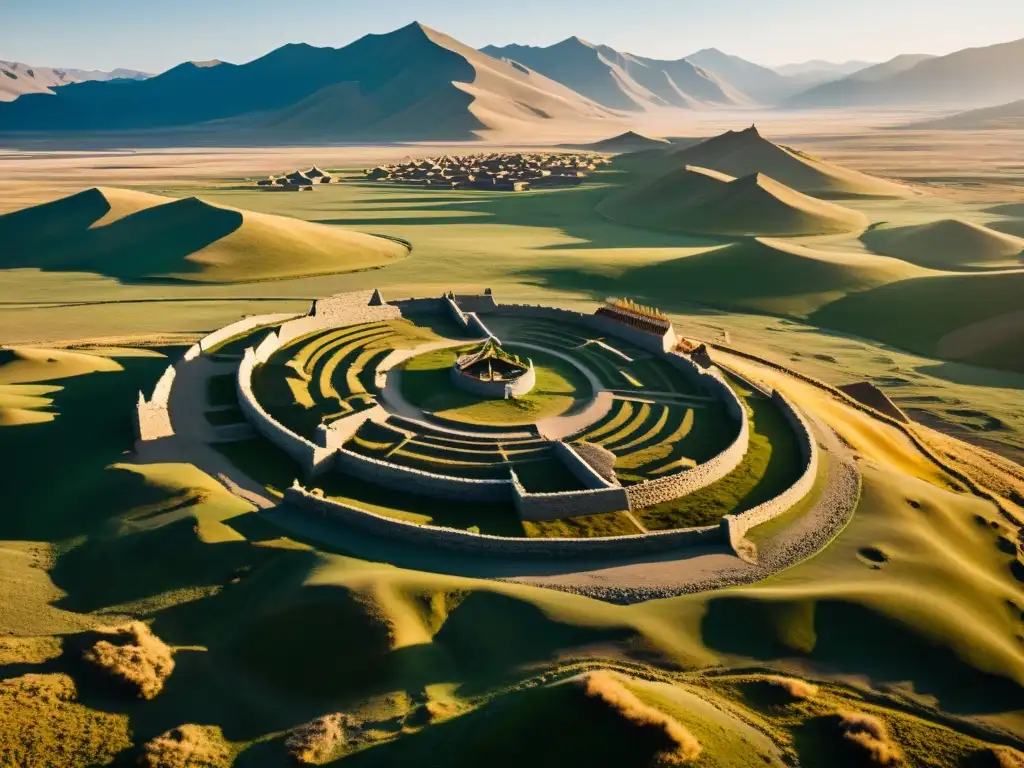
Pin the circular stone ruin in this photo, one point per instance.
(640, 426)
(490, 372)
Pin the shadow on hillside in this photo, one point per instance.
(63, 236)
(57, 487)
(571, 211)
(856, 639)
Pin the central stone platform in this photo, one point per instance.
(491, 372)
(467, 384)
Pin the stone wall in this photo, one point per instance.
(682, 483)
(581, 468)
(310, 457)
(239, 327)
(410, 480)
(648, 341)
(736, 526)
(411, 307)
(152, 417)
(495, 390)
(335, 434)
(469, 321)
(598, 458)
(476, 302)
(453, 539)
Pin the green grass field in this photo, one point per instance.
(560, 388)
(912, 616)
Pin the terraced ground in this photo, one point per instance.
(481, 458)
(317, 378)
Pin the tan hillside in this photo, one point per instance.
(630, 141)
(18, 78)
(133, 235)
(948, 244)
(742, 153)
(624, 81)
(1003, 117)
(702, 201)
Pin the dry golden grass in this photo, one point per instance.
(798, 689)
(1002, 757)
(42, 724)
(683, 746)
(870, 734)
(136, 657)
(319, 740)
(188, 746)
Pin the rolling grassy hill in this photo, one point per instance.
(767, 275)
(982, 325)
(135, 235)
(742, 153)
(948, 244)
(701, 201)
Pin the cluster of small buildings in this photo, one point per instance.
(506, 171)
(297, 181)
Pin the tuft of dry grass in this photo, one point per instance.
(684, 747)
(870, 734)
(319, 740)
(43, 724)
(800, 690)
(135, 656)
(1002, 757)
(188, 746)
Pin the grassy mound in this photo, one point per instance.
(701, 201)
(766, 275)
(983, 326)
(599, 718)
(948, 244)
(743, 153)
(134, 236)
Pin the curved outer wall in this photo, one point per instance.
(465, 541)
(736, 526)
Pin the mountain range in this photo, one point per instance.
(621, 80)
(416, 83)
(971, 77)
(18, 78)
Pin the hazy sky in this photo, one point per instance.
(153, 36)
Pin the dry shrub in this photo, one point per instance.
(796, 688)
(438, 710)
(187, 746)
(135, 656)
(684, 746)
(1002, 757)
(871, 736)
(318, 740)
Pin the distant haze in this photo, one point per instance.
(106, 34)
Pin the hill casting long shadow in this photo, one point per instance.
(134, 236)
